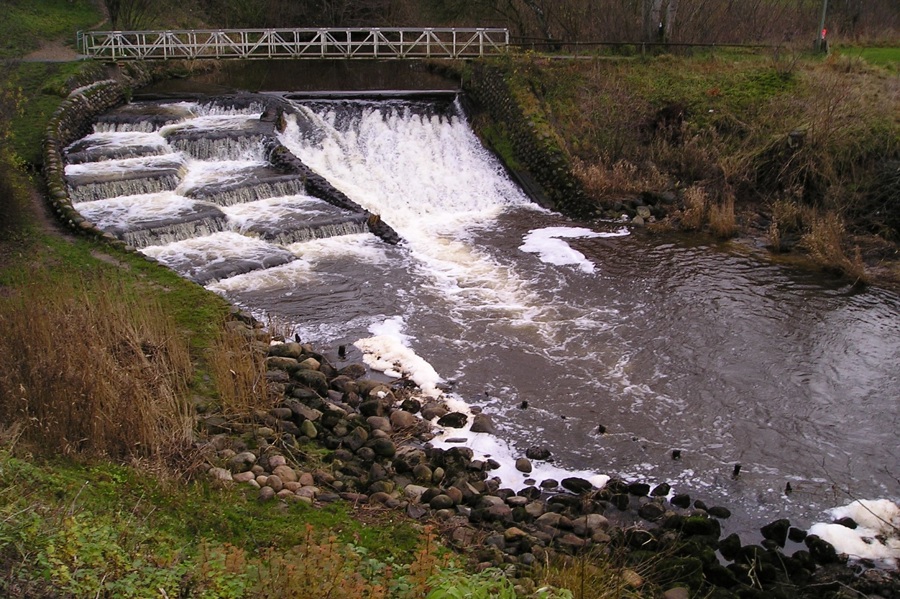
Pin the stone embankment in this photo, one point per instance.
(376, 436)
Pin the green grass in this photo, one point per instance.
(116, 532)
(26, 23)
(888, 57)
(45, 85)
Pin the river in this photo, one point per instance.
(627, 348)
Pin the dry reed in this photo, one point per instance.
(238, 367)
(824, 243)
(89, 366)
(696, 203)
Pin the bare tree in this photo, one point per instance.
(130, 14)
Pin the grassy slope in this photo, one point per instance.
(26, 23)
(95, 528)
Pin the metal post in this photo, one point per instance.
(821, 44)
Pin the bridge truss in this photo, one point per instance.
(354, 43)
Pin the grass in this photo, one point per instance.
(109, 531)
(26, 23)
(740, 130)
(886, 57)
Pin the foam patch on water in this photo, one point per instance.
(549, 245)
(877, 536)
(212, 122)
(123, 211)
(190, 256)
(271, 210)
(124, 166)
(281, 278)
(121, 139)
(388, 351)
(360, 247)
(201, 173)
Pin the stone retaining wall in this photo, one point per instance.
(72, 121)
(546, 175)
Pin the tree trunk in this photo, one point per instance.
(671, 10)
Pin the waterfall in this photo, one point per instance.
(250, 193)
(169, 233)
(138, 127)
(225, 148)
(323, 230)
(129, 187)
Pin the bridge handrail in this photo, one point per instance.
(351, 42)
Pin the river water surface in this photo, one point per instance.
(624, 346)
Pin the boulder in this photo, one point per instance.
(537, 452)
(482, 424)
(453, 420)
(577, 485)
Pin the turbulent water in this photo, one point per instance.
(624, 347)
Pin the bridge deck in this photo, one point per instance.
(354, 43)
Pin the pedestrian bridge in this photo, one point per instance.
(353, 43)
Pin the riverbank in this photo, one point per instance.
(797, 154)
(92, 541)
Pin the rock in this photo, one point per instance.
(549, 519)
(422, 473)
(286, 350)
(651, 511)
(266, 494)
(220, 474)
(453, 420)
(244, 477)
(308, 429)
(407, 458)
(302, 412)
(482, 424)
(639, 489)
(312, 379)
(379, 423)
(384, 447)
(372, 407)
(577, 485)
(274, 481)
(677, 593)
(463, 536)
(310, 364)
(414, 492)
(537, 452)
(661, 490)
(777, 531)
(549, 483)
(535, 509)
(643, 212)
(523, 465)
(285, 473)
(514, 535)
(682, 500)
(730, 546)
(797, 535)
(632, 579)
(357, 437)
(441, 502)
(242, 462)
(589, 524)
(353, 371)
(822, 551)
(720, 512)
(403, 420)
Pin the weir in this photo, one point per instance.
(125, 187)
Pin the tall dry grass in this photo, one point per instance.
(238, 366)
(722, 218)
(825, 240)
(90, 366)
(696, 203)
(603, 179)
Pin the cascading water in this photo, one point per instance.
(623, 347)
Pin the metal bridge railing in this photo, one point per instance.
(294, 43)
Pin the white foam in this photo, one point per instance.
(269, 211)
(388, 351)
(458, 186)
(359, 247)
(211, 122)
(122, 139)
(123, 211)
(123, 166)
(201, 173)
(212, 249)
(877, 536)
(282, 278)
(548, 244)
